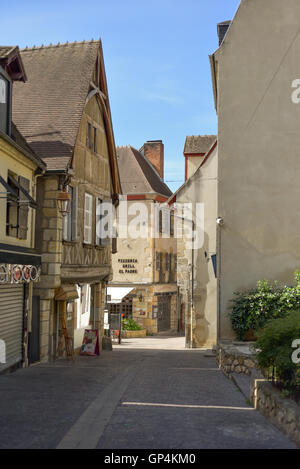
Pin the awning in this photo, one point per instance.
(116, 294)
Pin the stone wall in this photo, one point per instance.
(235, 359)
(282, 412)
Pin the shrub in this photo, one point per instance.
(130, 325)
(252, 309)
(275, 349)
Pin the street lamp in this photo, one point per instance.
(64, 202)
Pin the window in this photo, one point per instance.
(101, 228)
(5, 88)
(160, 221)
(89, 135)
(98, 222)
(172, 223)
(17, 208)
(167, 261)
(157, 266)
(95, 140)
(88, 218)
(70, 220)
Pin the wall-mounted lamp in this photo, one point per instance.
(64, 202)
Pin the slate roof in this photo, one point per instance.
(22, 143)
(137, 174)
(48, 108)
(198, 143)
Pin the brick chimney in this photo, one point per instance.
(222, 30)
(153, 150)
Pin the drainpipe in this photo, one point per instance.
(192, 289)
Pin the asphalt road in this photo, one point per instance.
(148, 393)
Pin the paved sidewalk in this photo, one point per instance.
(134, 397)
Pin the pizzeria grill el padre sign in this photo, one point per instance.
(18, 273)
(128, 266)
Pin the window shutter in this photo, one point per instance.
(114, 247)
(157, 260)
(74, 213)
(106, 241)
(98, 222)
(88, 205)
(23, 208)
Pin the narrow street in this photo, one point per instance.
(147, 393)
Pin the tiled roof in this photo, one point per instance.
(198, 143)
(21, 142)
(5, 51)
(48, 108)
(138, 175)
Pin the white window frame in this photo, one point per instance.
(88, 218)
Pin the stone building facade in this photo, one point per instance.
(71, 130)
(145, 265)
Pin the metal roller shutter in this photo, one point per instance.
(11, 322)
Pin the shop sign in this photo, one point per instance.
(18, 273)
(128, 266)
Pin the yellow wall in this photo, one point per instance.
(13, 160)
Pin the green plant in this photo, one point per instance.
(130, 325)
(275, 349)
(252, 309)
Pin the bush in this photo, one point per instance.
(275, 349)
(251, 310)
(130, 325)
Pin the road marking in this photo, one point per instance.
(198, 369)
(88, 429)
(186, 406)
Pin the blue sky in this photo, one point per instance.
(156, 58)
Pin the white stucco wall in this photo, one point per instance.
(259, 148)
(201, 188)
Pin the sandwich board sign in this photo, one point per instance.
(90, 343)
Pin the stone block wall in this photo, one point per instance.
(282, 412)
(49, 243)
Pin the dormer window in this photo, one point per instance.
(5, 86)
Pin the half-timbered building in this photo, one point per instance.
(64, 112)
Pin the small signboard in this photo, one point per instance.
(90, 343)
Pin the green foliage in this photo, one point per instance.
(252, 309)
(130, 325)
(275, 348)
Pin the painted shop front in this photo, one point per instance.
(18, 334)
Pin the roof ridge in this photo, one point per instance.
(201, 135)
(63, 44)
